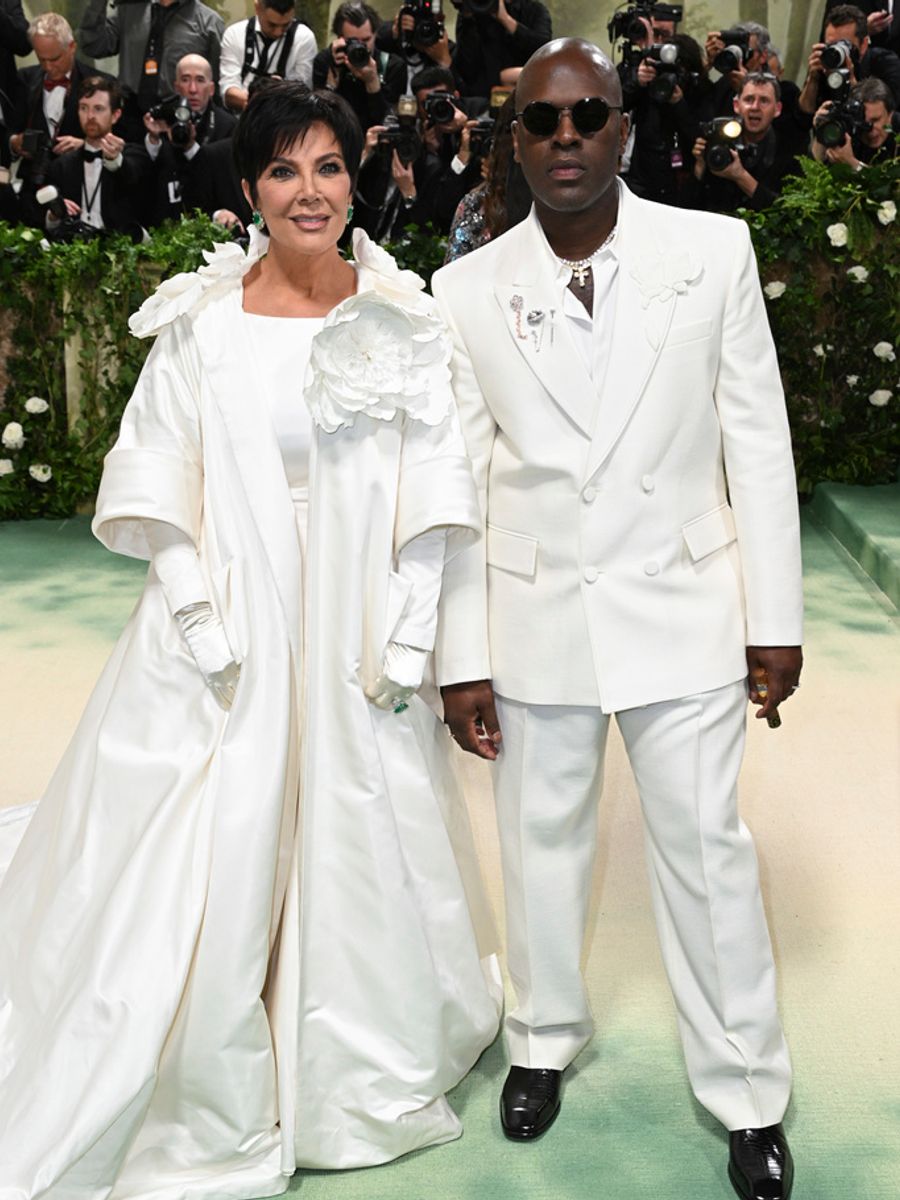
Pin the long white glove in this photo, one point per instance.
(207, 642)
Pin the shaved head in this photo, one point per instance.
(564, 51)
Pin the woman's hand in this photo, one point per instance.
(208, 643)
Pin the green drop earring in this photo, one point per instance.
(349, 213)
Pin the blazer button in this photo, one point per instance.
(589, 495)
(647, 484)
(591, 574)
(651, 568)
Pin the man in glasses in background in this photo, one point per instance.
(620, 398)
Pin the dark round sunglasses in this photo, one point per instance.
(542, 118)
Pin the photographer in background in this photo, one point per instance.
(743, 163)
(272, 43)
(418, 35)
(151, 37)
(14, 40)
(738, 52)
(177, 129)
(99, 186)
(666, 113)
(859, 132)
(48, 93)
(370, 80)
(495, 39)
(882, 22)
(843, 59)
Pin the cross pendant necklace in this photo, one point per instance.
(582, 266)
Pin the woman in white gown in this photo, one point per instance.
(243, 931)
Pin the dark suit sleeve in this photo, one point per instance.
(533, 29)
(14, 28)
(394, 84)
(885, 65)
(99, 32)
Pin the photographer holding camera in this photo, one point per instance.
(45, 121)
(742, 161)
(99, 186)
(370, 80)
(858, 132)
(843, 59)
(665, 112)
(177, 128)
(418, 35)
(272, 43)
(495, 39)
(151, 37)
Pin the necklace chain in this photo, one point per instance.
(581, 266)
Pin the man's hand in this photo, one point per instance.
(737, 173)
(464, 153)
(699, 150)
(714, 45)
(16, 143)
(646, 72)
(371, 142)
(501, 14)
(470, 713)
(228, 220)
(72, 209)
(439, 52)
(112, 146)
(782, 666)
(67, 142)
(878, 22)
(843, 154)
(156, 129)
(402, 174)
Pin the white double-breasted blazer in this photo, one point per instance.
(641, 529)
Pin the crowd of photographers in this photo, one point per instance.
(714, 126)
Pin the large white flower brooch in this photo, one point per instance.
(188, 291)
(374, 357)
(660, 276)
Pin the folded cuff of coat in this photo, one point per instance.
(438, 492)
(146, 485)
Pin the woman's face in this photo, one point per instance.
(303, 194)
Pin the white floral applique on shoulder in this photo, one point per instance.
(188, 291)
(380, 352)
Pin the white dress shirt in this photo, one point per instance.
(299, 63)
(54, 103)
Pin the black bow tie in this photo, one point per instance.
(90, 155)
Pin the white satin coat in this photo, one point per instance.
(203, 983)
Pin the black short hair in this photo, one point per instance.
(354, 14)
(279, 115)
(847, 14)
(281, 6)
(432, 77)
(100, 83)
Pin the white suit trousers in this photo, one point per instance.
(704, 880)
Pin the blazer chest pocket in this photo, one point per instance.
(693, 331)
(710, 532)
(515, 552)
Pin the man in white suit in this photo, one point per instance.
(621, 402)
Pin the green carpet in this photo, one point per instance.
(821, 796)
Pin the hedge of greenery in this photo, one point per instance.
(829, 255)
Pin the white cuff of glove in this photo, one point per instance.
(207, 642)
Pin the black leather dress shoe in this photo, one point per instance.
(760, 1166)
(529, 1103)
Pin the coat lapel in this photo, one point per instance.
(229, 357)
(639, 331)
(532, 308)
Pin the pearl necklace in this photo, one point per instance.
(581, 267)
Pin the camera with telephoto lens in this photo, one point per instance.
(736, 51)
(175, 112)
(839, 54)
(38, 146)
(401, 132)
(722, 135)
(439, 108)
(845, 119)
(629, 25)
(428, 29)
(669, 71)
(357, 53)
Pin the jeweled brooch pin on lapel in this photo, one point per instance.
(517, 304)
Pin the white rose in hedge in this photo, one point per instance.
(13, 437)
(852, 380)
(34, 404)
(837, 234)
(6, 466)
(819, 350)
(40, 471)
(858, 274)
(887, 211)
(884, 351)
(775, 289)
(880, 398)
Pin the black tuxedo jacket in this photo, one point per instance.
(121, 192)
(175, 177)
(13, 40)
(214, 182)
(29, 113)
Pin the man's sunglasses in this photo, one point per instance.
(542, 118)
